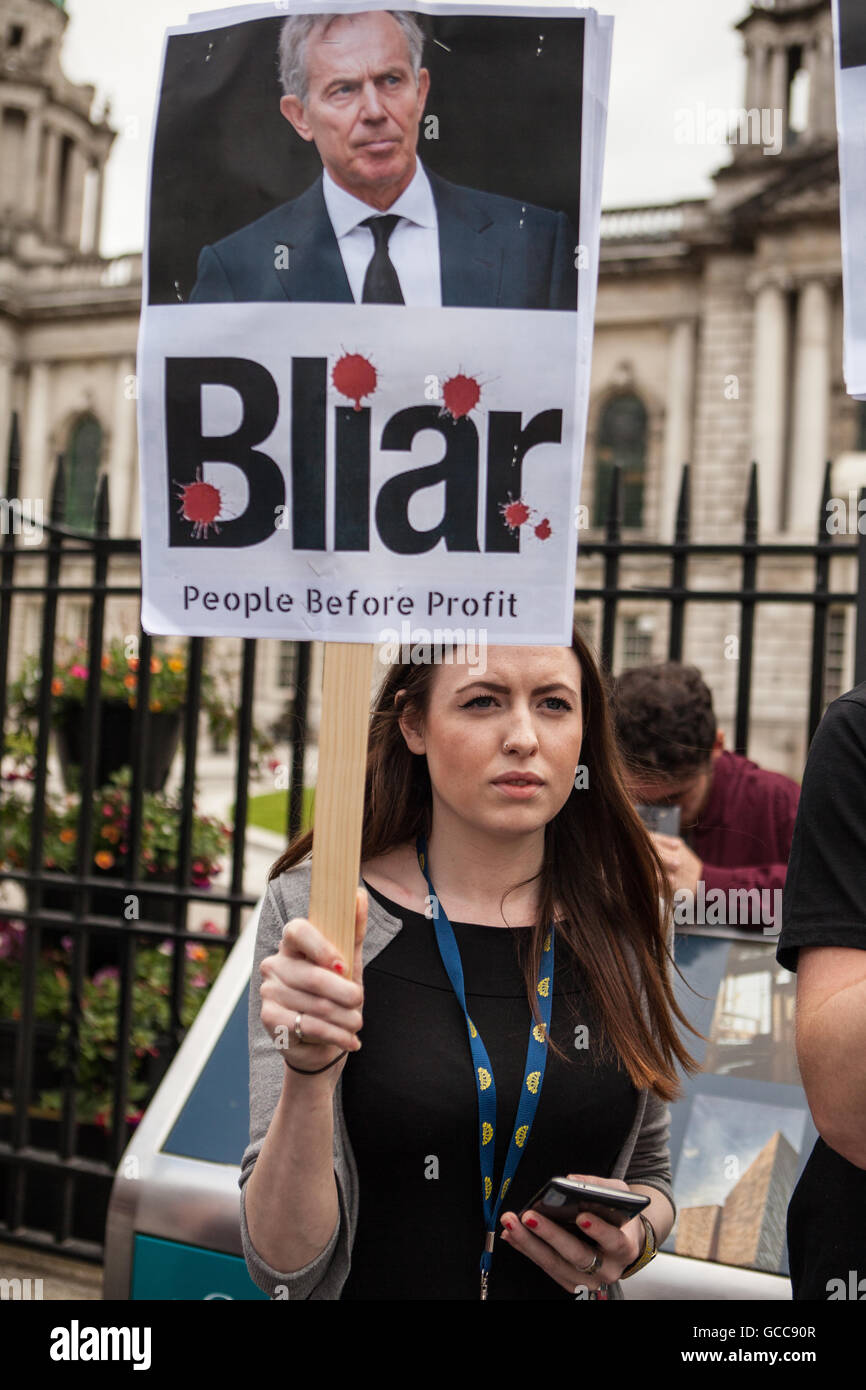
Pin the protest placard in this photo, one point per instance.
(370, 281)
(849, 23)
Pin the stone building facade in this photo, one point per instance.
(718, 340)
(69, 327)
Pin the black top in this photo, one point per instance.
(824, 904)
(411, 1111)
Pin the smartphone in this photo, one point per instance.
(663, 820)
(563, 1199)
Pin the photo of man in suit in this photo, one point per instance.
(377, 227)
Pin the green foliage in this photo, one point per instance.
(161, 823)
(97, 1044)
(119, 685)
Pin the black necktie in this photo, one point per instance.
(381, 285)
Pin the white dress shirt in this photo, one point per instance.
(413, 245)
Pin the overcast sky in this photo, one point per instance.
(667, 55)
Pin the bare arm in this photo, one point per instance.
(831, 1044)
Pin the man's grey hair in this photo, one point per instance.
(297, 29)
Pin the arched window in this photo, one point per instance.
(83, 457)
(621, 439)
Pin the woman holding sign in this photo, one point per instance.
(517, 1018)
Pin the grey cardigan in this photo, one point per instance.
(644, 1157)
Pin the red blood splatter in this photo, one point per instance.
(542, 530)
(516, 513)
(461, 394)
(200, 503)
(354, 377)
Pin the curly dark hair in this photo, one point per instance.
(664, 719)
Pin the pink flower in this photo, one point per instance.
(166, 948)
(199, 981)
(212, 928)
(67, 943)
(106, 810)
(80, 671)
(11, 939)
(108, 972)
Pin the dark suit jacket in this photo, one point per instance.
(495, 253)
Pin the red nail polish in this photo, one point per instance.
(585, 1224)
(338, 967)
(530, 1221)
(507, 1225)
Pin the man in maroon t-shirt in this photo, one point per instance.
(728, 865)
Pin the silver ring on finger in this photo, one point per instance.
(591, 1268)
(297, 1030)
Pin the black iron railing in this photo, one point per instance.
(747, 595)
(63, 1171)
(74, 1179)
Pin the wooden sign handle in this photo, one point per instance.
(345, 721)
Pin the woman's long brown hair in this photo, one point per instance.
(600, 870)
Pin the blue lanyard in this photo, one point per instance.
(536, 1059)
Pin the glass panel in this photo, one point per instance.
(82, 473)
(621, 439)
(742, 1132)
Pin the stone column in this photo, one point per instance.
(756, 81)
(37, 471)
(5, 417)
(122, 472)
(778, 85)
(97, 212)
(824, 106)
(679, 420)
(48, 212)
(811, 60)
(75, 196)
(811, 406)
(769, 398)
(30, 166)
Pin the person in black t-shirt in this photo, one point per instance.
(823, 939)
(373, 1181)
